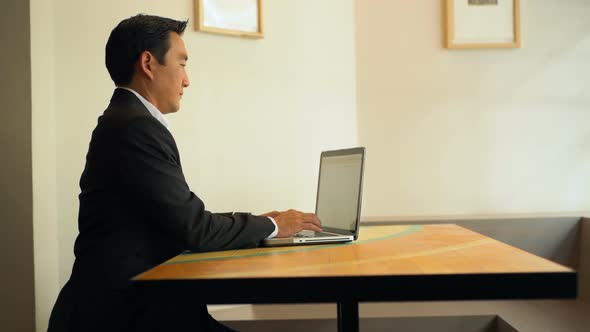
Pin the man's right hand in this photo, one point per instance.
(292, 221)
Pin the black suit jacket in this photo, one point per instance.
(136, 211)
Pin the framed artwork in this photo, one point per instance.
(242, 18)
(481, 24)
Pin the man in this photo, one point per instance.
(136, 209)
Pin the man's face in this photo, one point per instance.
(170, 78)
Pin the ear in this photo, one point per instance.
(146, 64)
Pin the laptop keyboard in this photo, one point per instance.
(314, 234)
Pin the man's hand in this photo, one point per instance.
(292, 221)
(272, 214)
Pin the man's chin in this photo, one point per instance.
(175, 109)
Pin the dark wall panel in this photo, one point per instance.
(17, 293)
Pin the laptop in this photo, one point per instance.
(338, 200)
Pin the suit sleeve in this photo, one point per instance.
(151, 176)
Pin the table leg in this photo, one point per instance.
(348, 316)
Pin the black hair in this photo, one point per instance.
(133, 36)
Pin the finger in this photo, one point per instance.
(317, 221)
(312, 218)
(313, 227)
(308, 216)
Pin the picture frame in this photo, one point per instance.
(471, 24)
(240, 18)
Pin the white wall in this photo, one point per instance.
(45, 222)
(473, 131)
(447, 132)
(251, 125)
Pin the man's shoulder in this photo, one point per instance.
(125, 126)
(125, 110)
(126, 123)
(124, 107)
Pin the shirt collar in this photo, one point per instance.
(150, 107)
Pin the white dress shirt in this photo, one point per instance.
(160, 117)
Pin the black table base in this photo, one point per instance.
(348, 316)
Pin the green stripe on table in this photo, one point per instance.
(410, 230)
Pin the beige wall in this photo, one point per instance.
(473, 131)
(251, 125)
(17, 293)
(45, 208)
(447, 132)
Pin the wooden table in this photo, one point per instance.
(387, 263)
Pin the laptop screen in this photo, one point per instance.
(339, 189)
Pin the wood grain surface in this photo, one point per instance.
(381, 250)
